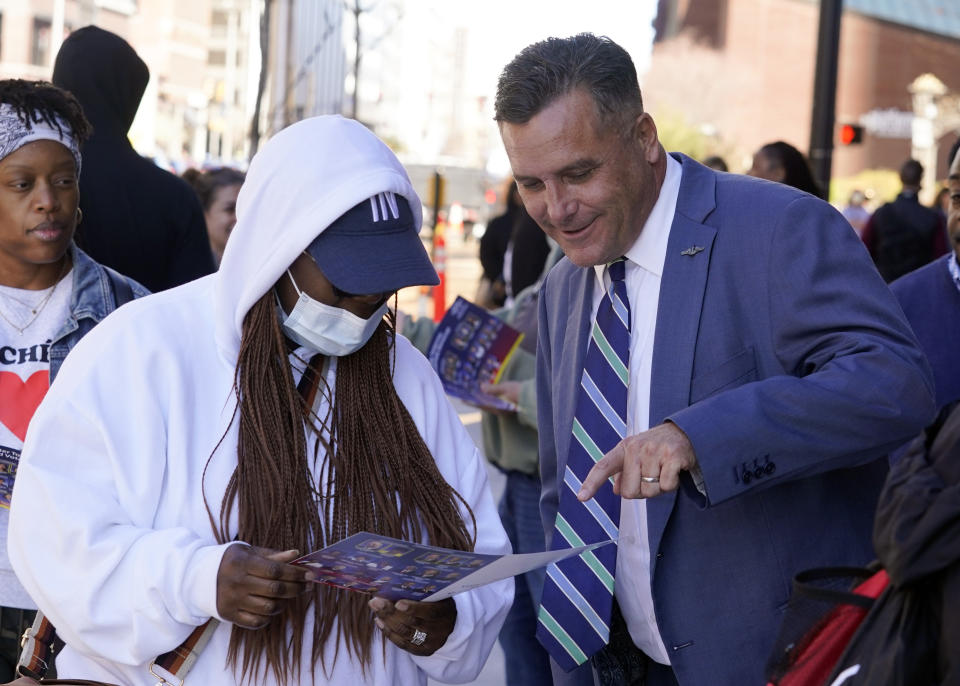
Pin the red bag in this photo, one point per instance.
(810, 659)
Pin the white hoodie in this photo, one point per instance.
(109, 532)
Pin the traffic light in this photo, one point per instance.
(850, 134)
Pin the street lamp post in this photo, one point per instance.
(825, 92)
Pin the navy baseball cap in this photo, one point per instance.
(374, 248)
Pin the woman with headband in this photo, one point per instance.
(203, 438)
(51, 293)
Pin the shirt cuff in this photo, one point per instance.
(201, 581)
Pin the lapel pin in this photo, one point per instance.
(692, 250)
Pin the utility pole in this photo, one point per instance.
(357, 11)
(825, 92)
(265, 61)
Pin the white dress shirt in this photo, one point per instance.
(644, 269)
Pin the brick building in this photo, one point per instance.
(743, 71)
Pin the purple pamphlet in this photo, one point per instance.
(470, 347)
(390, 568)
(394, 569)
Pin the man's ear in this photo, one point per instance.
(645, 131)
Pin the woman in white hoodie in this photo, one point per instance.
(269, 404)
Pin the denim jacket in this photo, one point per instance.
(92, 300)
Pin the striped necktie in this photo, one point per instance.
(574, 620)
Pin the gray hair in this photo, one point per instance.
(544, 71)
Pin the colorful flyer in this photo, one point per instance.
(9, 459)
(395, 569)
(470, 347)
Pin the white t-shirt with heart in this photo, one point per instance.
(28, 322)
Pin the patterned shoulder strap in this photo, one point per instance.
(37, 648)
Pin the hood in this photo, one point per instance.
(303, 179)
(105, 74)
(917, 528)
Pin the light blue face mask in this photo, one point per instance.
(326, 329)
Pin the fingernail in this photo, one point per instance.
(403, 606)
(310, 576)
(581, 495)
(379, 623)
(376, 604)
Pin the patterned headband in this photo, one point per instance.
(14, 134)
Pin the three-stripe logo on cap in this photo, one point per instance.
(383, 203)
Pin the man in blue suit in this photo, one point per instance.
(770, 369)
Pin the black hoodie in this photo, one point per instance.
(911, 637)
(137, 218)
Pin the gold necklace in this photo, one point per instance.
(38, 308)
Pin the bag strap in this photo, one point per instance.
(179, 661)
(36, 648)
(803, 585)
(37, 651)
(122, 292)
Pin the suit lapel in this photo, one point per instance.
(682, 290)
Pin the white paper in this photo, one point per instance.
(507, 566)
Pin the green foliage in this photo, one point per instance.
(677, 134)
(880, 186)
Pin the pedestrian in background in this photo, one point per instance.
(141, 220)
(716, 163)
(855, 212)
(493, 249)
(903, 235)
(783, 163)
(51, 293)
(720, 374)
(217, 190)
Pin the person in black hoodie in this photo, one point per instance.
(911, 636)
(139, 219)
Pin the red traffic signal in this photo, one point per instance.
(851, 134)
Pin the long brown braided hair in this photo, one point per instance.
(381, 477)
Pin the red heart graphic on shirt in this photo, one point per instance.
(20, 399)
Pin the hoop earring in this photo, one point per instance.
(79, 216)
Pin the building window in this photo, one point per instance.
(217, 58)
(40, 47)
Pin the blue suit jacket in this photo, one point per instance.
(785, 359)
(931, 303)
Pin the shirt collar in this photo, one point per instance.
(954, 269)
(649, 250)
